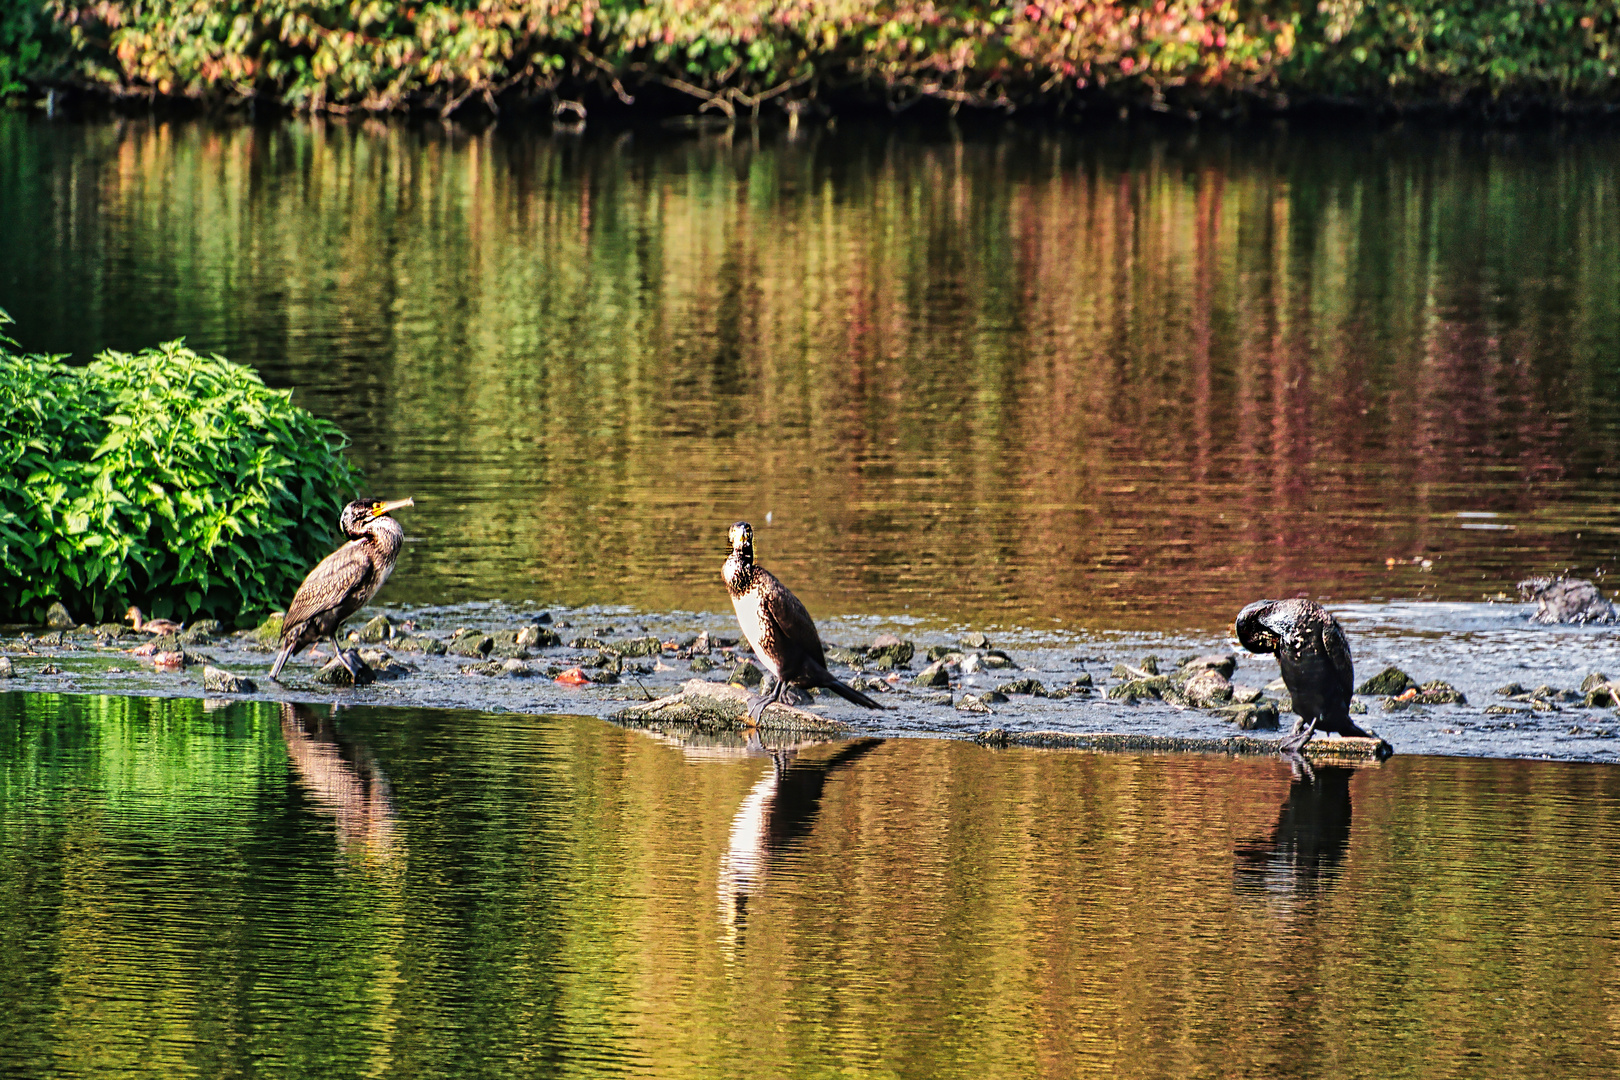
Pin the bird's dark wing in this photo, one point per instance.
(1337, 647)
(790, 618)
(335, 578)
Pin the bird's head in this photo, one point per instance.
(1252, 632)
(362, 512)
(742, 537)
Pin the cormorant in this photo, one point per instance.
(778, 627)
(1315, 659)
(345, 581)
(151, 626)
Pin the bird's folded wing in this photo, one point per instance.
(335, 577)
(1338, 651)
(793, 621)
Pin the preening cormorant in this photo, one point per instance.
(1315, 659)
(345, 581)
(151, 626)
(778, 627)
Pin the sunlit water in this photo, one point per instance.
(1117, 379)
(272, 890)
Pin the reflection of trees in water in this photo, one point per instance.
(1306, 847)
(776, 813)
(342, 778)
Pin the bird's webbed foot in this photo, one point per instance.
(757, 702)
(1297, 740)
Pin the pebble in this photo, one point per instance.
(221, 681)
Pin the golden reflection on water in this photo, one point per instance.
(1119, 379)
(172, 900)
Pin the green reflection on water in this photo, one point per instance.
(1125, 379)
(270, 890)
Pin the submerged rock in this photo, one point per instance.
(1032, 687)
(220, 681)
(1566, 600)
(57, 617)
(1392, 680)
(422, 644)
(935, 700)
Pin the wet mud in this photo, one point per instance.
(1030, 686)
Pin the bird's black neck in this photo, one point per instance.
(739, 570)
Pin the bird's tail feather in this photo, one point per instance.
(849, 693)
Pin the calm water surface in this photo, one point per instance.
(272, 890)
(1119, 379)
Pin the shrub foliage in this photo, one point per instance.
(167, 479)
(735, 55)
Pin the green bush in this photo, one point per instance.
(167, 479)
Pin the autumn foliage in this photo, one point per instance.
(747, 55)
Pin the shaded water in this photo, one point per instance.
(1127, 379)
(264, 890)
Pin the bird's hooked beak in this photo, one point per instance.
(389, 507)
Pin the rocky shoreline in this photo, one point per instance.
(1017, 688)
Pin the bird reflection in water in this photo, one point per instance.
(343, 780)
(776, 813)
(1306, 846)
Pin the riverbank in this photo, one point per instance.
(744, 59)
(607, 662)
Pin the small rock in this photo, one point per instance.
(888, 652)
(422, 644)
(701, 646)
(1398, 704)
(1082, 679)
(995, 658)
(1439, 693)
(587, 643)
(1358, 708)
(55, 640)
(467, 642)
(871, 686)
(537, 637)
(50, 669)
(935, 699)
(1032, 687)
(335, 674)
(1139, 688)
(1207, 688)
(1245, 695)
(169, 659)
(975, 640)
(746, 674)
(606, 661)
(7, 669)
(200, 632)
(1601, 696)
(112, 630)
(220, 681)
(1392, 680)
(969, 703)
(1566, 600)
(379, 629)
(641, 646)
(1225, 664)
(57, 618)
(1260, 716)
(1512, 689)
(934, 675)
(702, 663)
(847, 657)
(1590, 683)
(509, 650)
(1505, 710)
(939, 652)
(516, 667)
(268, 633)
(383, 666)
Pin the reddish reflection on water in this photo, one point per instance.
(1119, 379)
